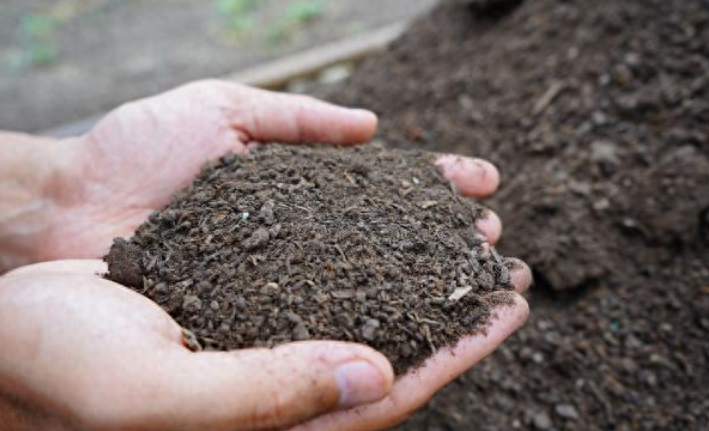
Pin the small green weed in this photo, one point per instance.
(37, 54)
(296, 15)
(238, 14)
(37, 31)
(302, 11)
(229, 8)
(38, 25)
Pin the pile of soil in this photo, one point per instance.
(597, 113)
(366, 245)
(597, 116)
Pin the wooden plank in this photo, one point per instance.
(278, 73)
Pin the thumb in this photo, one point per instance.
(274, 388)
(290, 118)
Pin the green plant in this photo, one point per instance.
(297, 13)
(37, 54)
(238, 14)
(41, 54)
(230, 8)
(302, 11)
(37, 25)
(38, 50)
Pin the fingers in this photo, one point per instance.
(412, 390)
(479, 178)
(520, 274)
(269, 388)
(490, 226)
(472, 177)
(475, 178)
(280, 117)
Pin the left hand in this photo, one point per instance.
(139, 155)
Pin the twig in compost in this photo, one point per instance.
(546, 100)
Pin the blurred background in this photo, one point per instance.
(66, 60)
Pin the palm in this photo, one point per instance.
(137, 157)
(105, 331)
(102, 357)
(142, 153)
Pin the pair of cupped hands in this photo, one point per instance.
(78, 352)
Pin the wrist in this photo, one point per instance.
(33, 174)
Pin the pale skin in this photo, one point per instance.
(83, 353)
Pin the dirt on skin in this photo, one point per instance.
(366, 245)
(597, 114)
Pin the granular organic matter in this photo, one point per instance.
(302, 243)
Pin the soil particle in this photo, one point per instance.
(567, 411)
(257, 239)
(355, 256)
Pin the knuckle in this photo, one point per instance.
(202, 84)
(205, 88)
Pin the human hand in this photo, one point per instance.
(111, 193)
(139, 155)
(83, 353)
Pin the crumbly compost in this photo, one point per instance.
(286, 244)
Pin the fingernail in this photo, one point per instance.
(520, 274)
(473, 177)
(490, 225)
(453, 169)
(359, 382)
(362, 111)
(365, 115)
(448, 162)
(364, 125)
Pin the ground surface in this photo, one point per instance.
(293, 243)
(61, 61)
(598, 118)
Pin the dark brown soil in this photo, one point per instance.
(366, 245)
(594, 114)
(597, 114)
